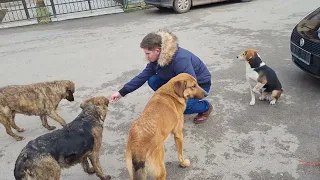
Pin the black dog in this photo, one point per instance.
(43, 158)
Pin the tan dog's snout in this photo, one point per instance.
(204, 93)
(199, 93)
(189, 89)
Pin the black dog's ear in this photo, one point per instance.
(179, 88)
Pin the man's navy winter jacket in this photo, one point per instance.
(172, 61)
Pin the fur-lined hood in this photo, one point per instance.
(169, 46)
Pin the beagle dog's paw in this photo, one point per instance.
(273, 102)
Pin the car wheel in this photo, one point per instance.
(182, 6)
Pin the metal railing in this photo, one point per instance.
(16, 10)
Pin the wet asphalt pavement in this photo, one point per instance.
(238, 142)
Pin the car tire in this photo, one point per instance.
(181, 6)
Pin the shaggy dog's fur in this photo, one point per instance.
(43, 157)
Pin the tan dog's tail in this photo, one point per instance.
(136, 167)
(139, 169)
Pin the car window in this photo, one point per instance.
(316, 17)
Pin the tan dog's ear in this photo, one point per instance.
(179, 88)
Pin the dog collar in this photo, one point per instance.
(261, 65)
(256, 62)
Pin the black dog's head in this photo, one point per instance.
(100, 103)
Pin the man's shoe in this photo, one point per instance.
(202, 117)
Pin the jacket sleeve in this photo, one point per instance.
(183, 65)
(138, 80)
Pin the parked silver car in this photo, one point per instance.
(182, 6)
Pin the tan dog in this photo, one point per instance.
(39, 99)
(162, 116)
(77, 142)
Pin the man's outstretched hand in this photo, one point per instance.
(115, 97)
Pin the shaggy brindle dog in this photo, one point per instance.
(39, 99)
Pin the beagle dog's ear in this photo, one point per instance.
(179, 88)
(250, 54)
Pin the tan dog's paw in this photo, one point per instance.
(185, 163)
(252, 103)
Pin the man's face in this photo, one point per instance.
(152, 56)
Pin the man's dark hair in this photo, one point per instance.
(151, 41)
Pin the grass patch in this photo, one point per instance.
(136, 7)
(43, 15)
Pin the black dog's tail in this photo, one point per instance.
(20, 167)
(139, 171)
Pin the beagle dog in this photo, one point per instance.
(261, 78)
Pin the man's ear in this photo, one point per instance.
(158, 51)
(179, 88)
